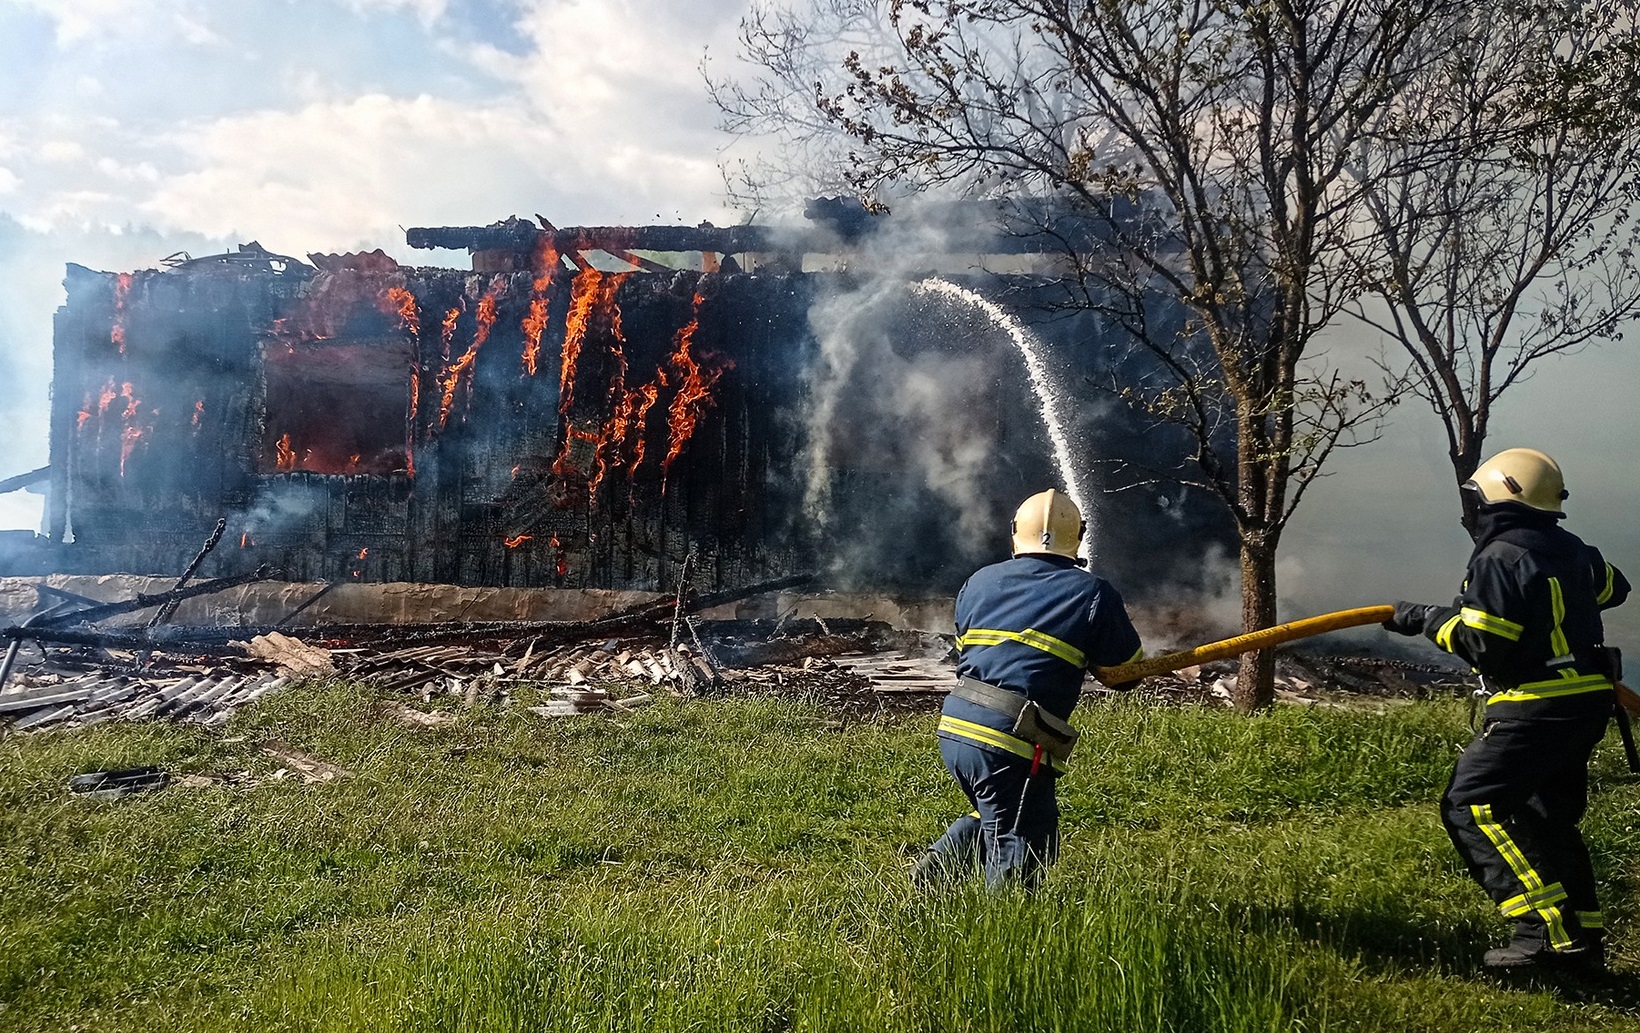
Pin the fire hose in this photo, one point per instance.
(1262, 639)
(1628, 701)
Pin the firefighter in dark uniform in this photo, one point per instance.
(1528, 621)
(1027, 630)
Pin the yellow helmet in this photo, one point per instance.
(1522, 475)
(1048, 522)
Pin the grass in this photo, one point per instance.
(740, 865)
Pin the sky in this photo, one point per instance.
(134, 129)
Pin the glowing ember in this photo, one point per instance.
(286, 456)
(199, 413)
(694, 395)
(363, 553)
(245, 540)
(122, 290)
(517, 540)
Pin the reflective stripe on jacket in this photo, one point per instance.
(1033, 625)
(1529, 616)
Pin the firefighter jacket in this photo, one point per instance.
(1528, 618)
(1033, 625)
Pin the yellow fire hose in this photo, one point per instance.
(1274, 637)
(1246, 643)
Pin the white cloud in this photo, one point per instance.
(61, 151)
(331, 175)
(90, 21)
(428, 12)
(8, 180)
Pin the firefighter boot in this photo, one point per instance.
(1529, 950)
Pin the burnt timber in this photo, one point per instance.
(542, 420)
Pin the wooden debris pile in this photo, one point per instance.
(89, 699)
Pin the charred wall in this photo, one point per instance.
(549, 427)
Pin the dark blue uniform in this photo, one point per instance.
(1529, 621)
(1032, 625)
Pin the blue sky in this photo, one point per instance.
(131, 129)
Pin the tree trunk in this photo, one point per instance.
(1464, 464)
(1255, 677)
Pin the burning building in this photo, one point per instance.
(582, 408)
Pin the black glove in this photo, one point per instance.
(1411, 618)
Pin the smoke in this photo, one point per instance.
(922, 429)
(878, 402)
(285, 508)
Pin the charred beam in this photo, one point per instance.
(24, 480)
(525, 238)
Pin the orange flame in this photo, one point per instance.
(447, 333)
(547, 262)
(592, 303)
(410, 429)
(84, 415)
(563, 558)
(363, 553)
(649, 393)
(131, 433)
(583, 297)
(401, 301)
(122, 290)
(286, 457)
(128, 444)
(199, 413)
(106, 398)
(245, 540)
(517, 540)
(695, 384)
(453, 375)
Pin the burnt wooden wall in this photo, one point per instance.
(221, 360)
(196, 432)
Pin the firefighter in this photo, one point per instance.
(1027, 630)
(1528, 621)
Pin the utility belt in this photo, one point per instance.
(1031, 723)
(1588, 671)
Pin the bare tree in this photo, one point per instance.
(1209, 141)
(1502, 188)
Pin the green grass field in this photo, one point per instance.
(740, 865)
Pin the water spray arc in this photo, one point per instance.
(1030, 350)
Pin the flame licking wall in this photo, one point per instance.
(549, 425)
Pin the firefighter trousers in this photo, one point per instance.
(1013, 831)
(1512, 810)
